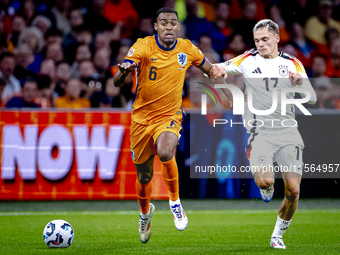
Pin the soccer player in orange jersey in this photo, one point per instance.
(161, 62)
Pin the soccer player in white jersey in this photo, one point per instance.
(265, 70)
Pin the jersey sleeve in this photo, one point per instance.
(198, 56)
(137, 52)
(233, 66)
(306, 85)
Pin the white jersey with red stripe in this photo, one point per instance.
(262, 77)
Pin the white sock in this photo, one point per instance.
(146, 215)
(178, 201)
(280, 227)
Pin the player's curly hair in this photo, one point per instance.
(165, 10)
(269, 24)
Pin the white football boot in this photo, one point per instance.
(180, 218)
(144, 229)
(277, 243)
(267, 194)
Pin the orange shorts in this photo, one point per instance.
(143, 137)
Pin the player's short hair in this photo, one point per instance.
(269, 24)
(166, 10)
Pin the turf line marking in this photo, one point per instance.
(162, 212)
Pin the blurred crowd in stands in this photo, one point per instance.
(64, 53)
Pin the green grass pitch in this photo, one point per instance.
(208, 232)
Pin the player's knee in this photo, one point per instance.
(264, 183)
(164, 154)
(144, 178)
(293, 193)
(296, 192)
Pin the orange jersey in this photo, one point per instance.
(160, 76)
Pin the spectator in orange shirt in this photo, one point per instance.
(71, 98)
(316, 26)
(124, 11)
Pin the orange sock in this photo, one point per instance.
(170, 177)
(143, 195)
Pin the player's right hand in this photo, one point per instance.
(126, 67)
(217, 71)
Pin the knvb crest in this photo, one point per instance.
(182, 58)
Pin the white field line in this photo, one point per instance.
(163, 212)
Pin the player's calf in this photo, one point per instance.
(145, 171)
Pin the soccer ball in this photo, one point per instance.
(58, 234)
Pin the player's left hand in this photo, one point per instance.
(295, 78)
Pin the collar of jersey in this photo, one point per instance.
(163, 48)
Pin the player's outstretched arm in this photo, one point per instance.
(206, 68)
(124, 70)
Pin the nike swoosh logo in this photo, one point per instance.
(153, 59)
(169, 127)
